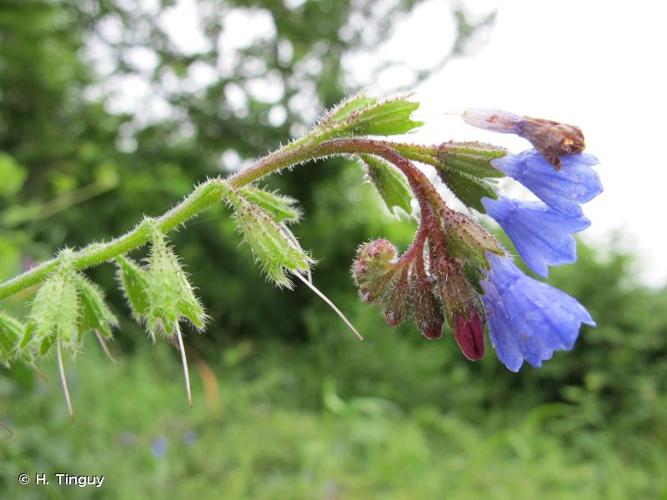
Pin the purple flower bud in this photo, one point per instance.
(373, 267)
(427, 308)
(469, 334)
(542, 235)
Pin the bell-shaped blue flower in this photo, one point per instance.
(528, 320)
(565, 189)
(541, 235)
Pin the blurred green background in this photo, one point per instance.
(287, 403)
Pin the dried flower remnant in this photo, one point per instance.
(552, 139)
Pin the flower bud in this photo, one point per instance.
(469, 334)
(373, 268)
(466, 239)
(427, 309)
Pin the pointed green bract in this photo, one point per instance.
(273, 244)
(390, 183)
(11, 333)
(55, 312)
(170, 295)
(95, 314)
(282, 208)
(134, 282)
(363, 115)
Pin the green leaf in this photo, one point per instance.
(343, 110)
(386, 118)
(11, 332)
(95, 314)
(170, 295)
(390, 183)
(470, 190)
(273, 244)
(134, 282)
(366, 116)
(282, 208)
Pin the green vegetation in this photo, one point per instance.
(286, 404)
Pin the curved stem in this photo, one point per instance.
(210, 192)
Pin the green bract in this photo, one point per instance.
(390, 183)
(282, 208)
(134, 282)
(273, 244)
(55, 312)
(169, 293)
(11, 333)
(95, 314)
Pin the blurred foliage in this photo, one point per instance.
(287, 404)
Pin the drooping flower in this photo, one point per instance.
(528, 320)
(542, 235)
(565, 189)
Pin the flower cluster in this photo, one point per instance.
(455, 271)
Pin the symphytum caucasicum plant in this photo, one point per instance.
(455, 275)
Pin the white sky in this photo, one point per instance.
(592, 63)
(595, 64)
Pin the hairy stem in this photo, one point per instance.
(210, 192)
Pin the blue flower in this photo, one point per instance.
(542, 235)
(528, 320)
(565, 189)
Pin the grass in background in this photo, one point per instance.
(254, 433)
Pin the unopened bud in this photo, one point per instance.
(469, 334)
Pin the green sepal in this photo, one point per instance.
(274, 246)
(95, 314)
(134, 282)
(470, 190)
(468, 241)
(11, 332)
(471, 158)
(466, 168)
(362, 115)
(170, 295)
(282, 208)
(55, 312)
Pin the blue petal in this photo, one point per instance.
(528, 319)
(541, 235)
(565, 189)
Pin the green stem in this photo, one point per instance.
(203, 197)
